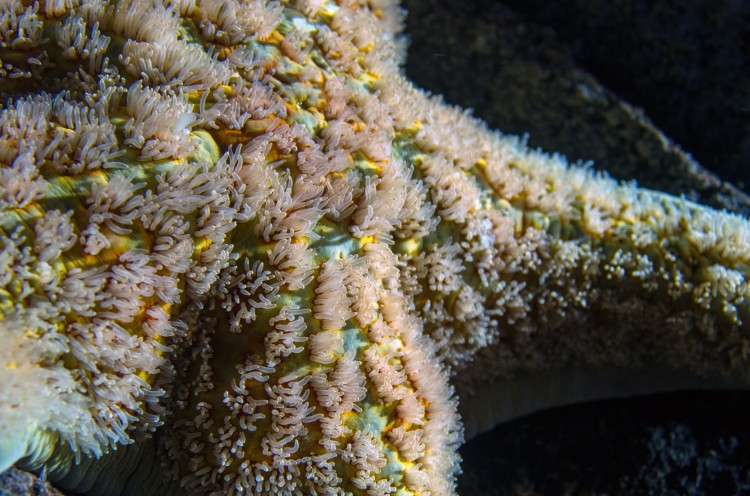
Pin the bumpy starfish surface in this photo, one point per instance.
(241, 254)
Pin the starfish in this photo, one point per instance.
(242, 253)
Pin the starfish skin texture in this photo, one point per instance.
(242, 254)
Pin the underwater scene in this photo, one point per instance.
(374, 247)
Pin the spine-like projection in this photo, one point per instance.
(234, 236)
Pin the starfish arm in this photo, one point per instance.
(537, 266)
